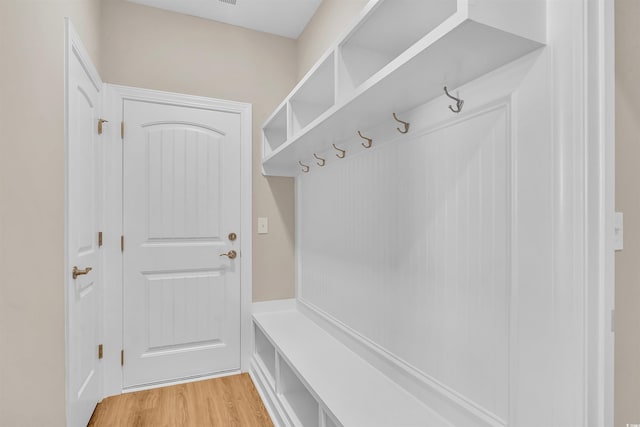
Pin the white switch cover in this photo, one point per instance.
(263, 225)
(618, 241)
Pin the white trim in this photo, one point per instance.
(73, 46)
(607, 110)
(113, 217)
(599, 179)
(112, 229)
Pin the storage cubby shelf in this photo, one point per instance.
(266, 354)
(461, 41)
(319, 374)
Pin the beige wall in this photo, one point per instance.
(329, 22)
(32, 366)
(156, 49)
(627, 358)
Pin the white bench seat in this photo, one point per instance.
(350, 390)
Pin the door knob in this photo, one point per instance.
(77, 272)
(231, 254)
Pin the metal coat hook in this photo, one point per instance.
(321, 159)
(305, 168)
(369, 141)
(459, 102)
(406, 124)
(342, 152)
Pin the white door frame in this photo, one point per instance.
(113, 304)
(73, 48)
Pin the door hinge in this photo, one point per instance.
(99, 239)
(122, 130)
(121, 357)
(100, 122)
(121, 243)
(100, 353)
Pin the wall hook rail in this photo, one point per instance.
(406, 124)
(321, 160)
(459, 102)
(305, 168)
(342, 152)
(369, 141)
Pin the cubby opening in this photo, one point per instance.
(315, 96)
(266, 353)
(393, 27)
(294, 394)
(275, 131)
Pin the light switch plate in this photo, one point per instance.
(263, 225)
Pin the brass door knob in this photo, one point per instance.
(233, 236)
(231, 254)
(77, 272)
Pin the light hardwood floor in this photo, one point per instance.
(225, 402)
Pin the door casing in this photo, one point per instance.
(114, 96)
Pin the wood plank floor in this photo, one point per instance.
(231, 401)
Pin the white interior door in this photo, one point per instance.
(181, 203)
(84, 294)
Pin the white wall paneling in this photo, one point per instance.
(422, 230)
(397, 252)
(469, 260)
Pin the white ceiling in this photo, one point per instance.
(286, 18)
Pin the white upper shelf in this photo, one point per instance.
(398, 55)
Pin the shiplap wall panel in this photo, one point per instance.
(408, 246)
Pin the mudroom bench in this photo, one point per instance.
(308, 378)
